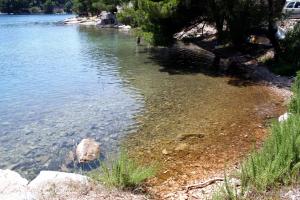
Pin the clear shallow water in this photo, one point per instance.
(59, 84)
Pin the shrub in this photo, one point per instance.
(128, 16)
(291, 48)
(122, 173)
(294, 106)
(278, 160)
(35, 9)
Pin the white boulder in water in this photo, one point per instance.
(87, 150)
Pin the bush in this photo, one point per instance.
(294, 106)
(35, 9)
(281, 67)
(278, 160)
(122, 173)
(128, 16)
(291, 48)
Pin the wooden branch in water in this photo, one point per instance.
(203, 185)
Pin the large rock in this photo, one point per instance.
(87, 150)
(52, 183)
(13, 186)
(107, 18)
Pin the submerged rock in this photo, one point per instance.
(87, 150)
(185, 136)
(181, 147)
(165, 152)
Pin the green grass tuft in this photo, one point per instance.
(122, 173)
(278, 159)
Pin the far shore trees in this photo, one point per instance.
(35, 6)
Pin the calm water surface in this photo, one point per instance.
(59, 84)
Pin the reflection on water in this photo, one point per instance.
(59, 84)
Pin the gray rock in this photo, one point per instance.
(107, 18)
(181, 147)
(13, 186)
(58, 185)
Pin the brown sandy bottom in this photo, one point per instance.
(196, 126)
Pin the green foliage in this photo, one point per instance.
(48, 6)
(94, 7)
(129, 16)
(82, 7)
(35, 9)
(123, 173)
(291, 48)
(68, 6)
(163, 18)
(278, 162)
(294, 106)
(31, 6)
(280, 67)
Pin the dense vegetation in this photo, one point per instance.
(234, 19)
(94, 7)
(35, 6)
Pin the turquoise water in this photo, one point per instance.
(58, 85)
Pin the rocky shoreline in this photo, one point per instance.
(53, 185)
(104, 20)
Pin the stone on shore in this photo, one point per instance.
(47, 180)
(87, 150)
(284, 117)
(181, 147)
(185, 136)
(13, 186)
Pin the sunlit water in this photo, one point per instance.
(60, 84)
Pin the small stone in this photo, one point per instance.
(185, 136)
(87, 150)
(181, 147)
(70, 158)
(165, 152)
(284, 117)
